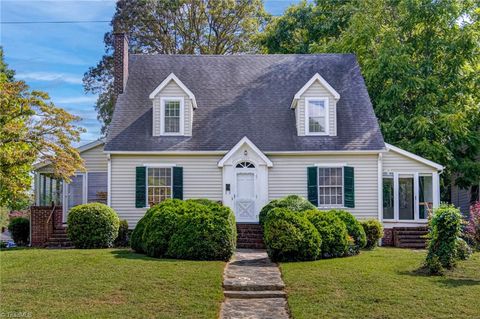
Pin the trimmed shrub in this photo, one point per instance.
(92, 225)
(203, 236)
(354, 228)
(445, 228)
(463, 249)
(19, 227)
(332, 230)
(290, 236)
(293, 203)
(122, 238)
(373, 231)
(191, 229)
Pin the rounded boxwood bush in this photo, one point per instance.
(191, 229)
(354, 228)
(19, 227)
(203, 236)
(374, 231)
(289, 236)
(332, 230)
(92, 225)
(293, 203)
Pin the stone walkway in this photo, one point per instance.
(253, 287)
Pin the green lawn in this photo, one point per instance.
(381, 284)
(107, 283)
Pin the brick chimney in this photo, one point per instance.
(120, 60)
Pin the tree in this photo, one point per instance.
(174, 27)
(421, 62)
(32, 129)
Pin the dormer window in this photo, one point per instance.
(171, 115)
(316, 116)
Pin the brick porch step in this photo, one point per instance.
(250, 236)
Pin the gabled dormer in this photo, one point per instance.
(173, 105)
(315, 107)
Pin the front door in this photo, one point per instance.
(245, 197)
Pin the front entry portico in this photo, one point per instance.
(245, 180)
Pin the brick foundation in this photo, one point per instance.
(41, 231)
(387, 239)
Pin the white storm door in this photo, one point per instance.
(245, 198)
(75, 193)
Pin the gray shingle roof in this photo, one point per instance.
(244, 95)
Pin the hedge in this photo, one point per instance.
(19, 227)
(190, 229)
(293, 203)
(92, 225)
(289, 236)
(332, 230)
(354, 228)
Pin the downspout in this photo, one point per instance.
(109, 180)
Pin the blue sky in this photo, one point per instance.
(54, 57)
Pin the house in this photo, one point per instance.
(463, 198)
(246, 129)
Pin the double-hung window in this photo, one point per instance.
(172, 116)
(316, 116)
(159, 184)
(330, 187)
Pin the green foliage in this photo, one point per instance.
(4, 218)
(190, 229)
(93, 225)
(332, 230)
(19, 227)
(294, 203)
(174, 27)
(445, 229)
(354, 228)
(464, 251)
(289, 236)
(420, 61)
(122, 238)
(373, 231)
(32, 129)
(203, 236)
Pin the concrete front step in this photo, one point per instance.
(254, 294)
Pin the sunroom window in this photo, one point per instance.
(159, 184)
(388, 193)
(50, 190)
(330, 186)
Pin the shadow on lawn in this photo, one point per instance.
(130, 254)
(442, 280)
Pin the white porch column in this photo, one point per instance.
(436, 189)
(380, 186)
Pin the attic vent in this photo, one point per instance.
(245, 165)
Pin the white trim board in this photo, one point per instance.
(417, 158)
(173, 77)
(243, 141)
(319, 78)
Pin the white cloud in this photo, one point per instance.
(49, 76)
(76, 100)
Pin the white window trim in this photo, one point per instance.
(342, 205)
(146, 180)
(163, 100)
(416, 196)
(327, 116)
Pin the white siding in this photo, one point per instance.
(395, 162)
(316, 90)
(95, 160)
(172, 90)
(202, 178)
(289, 176)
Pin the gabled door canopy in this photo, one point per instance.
(245, 141)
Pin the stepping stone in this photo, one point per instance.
(253, 287)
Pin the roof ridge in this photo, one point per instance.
(242, 55)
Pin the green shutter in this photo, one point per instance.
(312, 185)
(140, 188)
(178, 182)
(349, 186)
